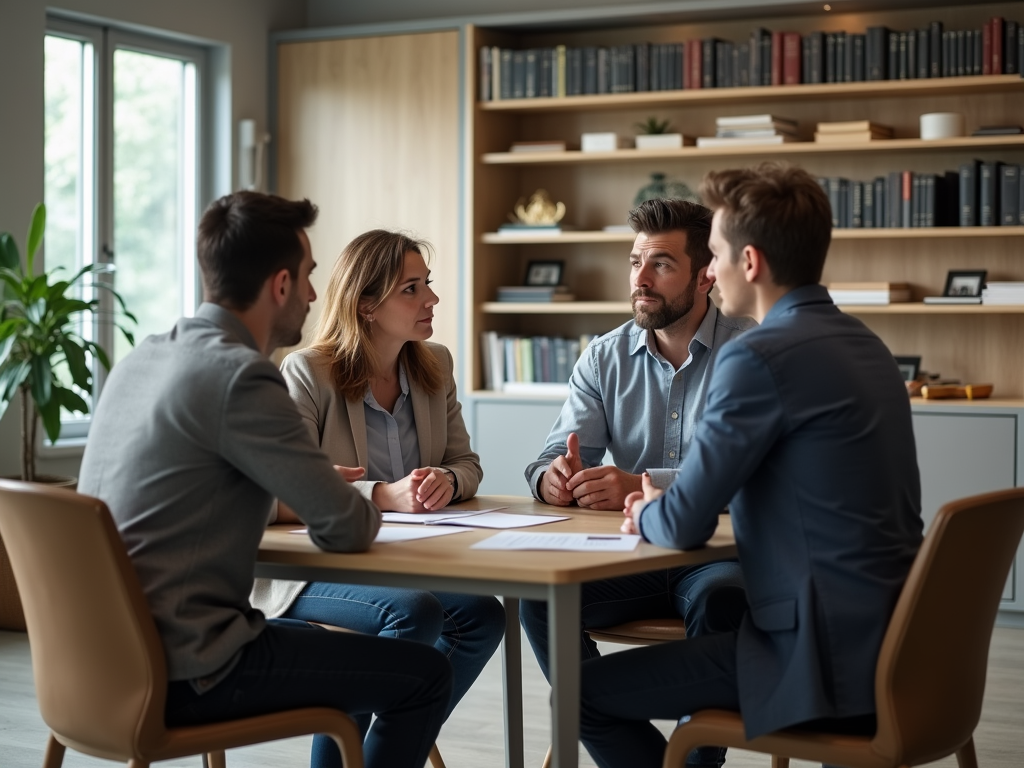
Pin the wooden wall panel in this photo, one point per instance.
(368, 129)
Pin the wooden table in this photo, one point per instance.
(446, 563)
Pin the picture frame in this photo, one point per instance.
(909, 365)
(544, 273)
(964, 282)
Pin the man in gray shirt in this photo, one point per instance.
(193, 439)
(637, 392)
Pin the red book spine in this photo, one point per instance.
(696, 59)
(997, 45)
(791, 58)
(986, 48)
(776, 58)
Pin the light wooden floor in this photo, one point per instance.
(473, 736)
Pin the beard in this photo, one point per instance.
(665, 314)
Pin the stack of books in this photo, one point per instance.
(534, 293)
(750, 129)
(1002, 293)
(851, 131)
(518, 230)
(869, 293)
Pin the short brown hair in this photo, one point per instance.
(246, 237)
(654, 217)
(779, 209)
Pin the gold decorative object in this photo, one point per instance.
(539, 211)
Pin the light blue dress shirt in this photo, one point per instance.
(392, 447)
(627, 399)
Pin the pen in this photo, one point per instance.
(604, 538)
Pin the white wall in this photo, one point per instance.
(241, 27)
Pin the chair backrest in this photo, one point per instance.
(930, 679)
(98, 662)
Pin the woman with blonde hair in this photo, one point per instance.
(376, 395)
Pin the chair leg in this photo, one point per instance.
(966, 757)
(780, 762)
(435, 757)
(547, 758)
(215, 759)
(54, 753)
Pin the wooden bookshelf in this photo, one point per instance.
(885, 233)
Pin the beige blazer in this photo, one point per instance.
(339, 427)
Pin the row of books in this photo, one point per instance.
(536, 360)
(1002, 293)
(978, 194)
(534, 293)
(767, 58)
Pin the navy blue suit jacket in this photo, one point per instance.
(807, 437)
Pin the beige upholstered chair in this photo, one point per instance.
(930, 678)
(98, 663)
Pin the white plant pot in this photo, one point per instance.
(659, 141)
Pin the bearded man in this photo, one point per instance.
(637, 393)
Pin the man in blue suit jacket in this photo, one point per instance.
(807, 438)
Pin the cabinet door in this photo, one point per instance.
(508, 436)
(963, 455)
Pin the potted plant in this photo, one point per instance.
(654, 134)
(40, 345)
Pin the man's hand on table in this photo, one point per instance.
(604, 487)
(635, 503)
(553, 483)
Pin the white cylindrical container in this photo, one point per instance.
(942, 125)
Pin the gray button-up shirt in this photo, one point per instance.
(392, 447)
(627, 399)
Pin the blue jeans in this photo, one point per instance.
(292, 665)
(465, 628)
(709, 598)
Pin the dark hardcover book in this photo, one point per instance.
(868, 217)
(997, 45)
(928, 205)
(902, 63)
(643, 67)
(1020, 190)
(894, 199)
(531, 73)
(977, 51)
(518, 74)
(756, 76)
(856, 204)
(948, 66)
(657, 51)
(833, 198)
(709, 66)
(805, 59)
(676, 66)
(766, 58)
(968, 197)
(876, 53)
(935, 49)
(961, 53)
(893, 67)
(968, 52)
(817, 67)
(880, 209)
(667, 55)
(548, 65)
(505, 74)
(916, 199)
(844, 203)
(603, 71)
(1020, 52)
(776, 58)
(947, 199)
(858, 66)
(1009, 195)
(791, 53)
(830, 57)
(912, 54)
(986, 48)
(590, 70)
(923, 69)
(694, 48)
(1011, 66)
(574, 72)
(840, 57)
(485, 73)
(906, 202)
(988, 194)
(743, 64)
(723, 58)
(848, 55)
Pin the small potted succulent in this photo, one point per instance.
(654, 134)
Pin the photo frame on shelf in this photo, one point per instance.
(964, 282)
(544, 273)
(909, 365)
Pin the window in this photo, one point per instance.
(123, 176)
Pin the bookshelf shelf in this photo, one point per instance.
(949, 86)
(922, 233)
(796, 148)
(915, 308)
(557, 308)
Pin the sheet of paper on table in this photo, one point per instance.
(486, 518)
(567, 542)
(390, 535)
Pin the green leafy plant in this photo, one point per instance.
(39, 339)
(652, 126)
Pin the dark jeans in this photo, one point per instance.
(621, 693)
(292, 665)
(709, 598)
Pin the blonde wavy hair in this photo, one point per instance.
(365, 274)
